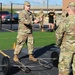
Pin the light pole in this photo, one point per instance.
(43, 4)
(47, 6)
(1, 16)
(11, 14)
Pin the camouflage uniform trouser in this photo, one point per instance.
(21, 40)
(41, 24)
(67, 50)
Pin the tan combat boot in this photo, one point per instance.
(31, 57)
(16, 58)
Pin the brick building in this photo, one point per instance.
(65, 3)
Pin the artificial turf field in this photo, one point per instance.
(41, 39)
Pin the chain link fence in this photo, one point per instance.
(9, 16)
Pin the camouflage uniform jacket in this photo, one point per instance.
(40, 15)
(66, 31)
(25, 22)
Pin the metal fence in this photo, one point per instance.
(0, 16)
(13, 8)
(10, 8)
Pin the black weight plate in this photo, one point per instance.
(27, 70)
(6, 68)
(55, 61)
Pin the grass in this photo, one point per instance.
(7, 39)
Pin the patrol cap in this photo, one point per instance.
(27, 3)
(72, 4)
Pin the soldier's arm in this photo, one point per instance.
(41, 15)
(37, 20)
(22, 18)
(59, 33)
(33, 17)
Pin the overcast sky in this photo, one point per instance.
(34, 2)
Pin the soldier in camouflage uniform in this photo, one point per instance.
(65, 39)
(41, 15)
(25, 32)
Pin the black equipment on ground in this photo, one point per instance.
(6, 65)
(22, 67)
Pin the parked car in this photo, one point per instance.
(15, 18)
(3, 14)
(9, 19)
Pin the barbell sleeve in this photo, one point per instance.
(4, 54)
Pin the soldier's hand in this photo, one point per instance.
(36, 20)
(41, 19)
